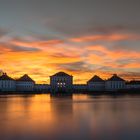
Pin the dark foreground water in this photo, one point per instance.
(79, 117)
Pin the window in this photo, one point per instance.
(62, 84)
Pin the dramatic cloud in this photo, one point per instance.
(48, 57)
(82, 37)
(109, 37)
(11, 48)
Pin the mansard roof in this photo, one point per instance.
(26, 78)
(5, 77)
(115, 77)
(61, 74)
(96, 79)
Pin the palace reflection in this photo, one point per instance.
(62, 104)
(79, 116)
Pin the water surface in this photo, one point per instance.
(77, 117)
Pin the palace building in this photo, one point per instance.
(134, 84)
(96, 84)
(114, 83)
(61, 82)
(7, 83)
(25, 83)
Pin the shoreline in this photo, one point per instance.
(94, 93)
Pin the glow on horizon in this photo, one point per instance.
(41, 59)
(82, 38)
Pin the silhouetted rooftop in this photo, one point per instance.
(25, 78)
(115, 77)
(61, 74)
(5, 77)
(96, 79)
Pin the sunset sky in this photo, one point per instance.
(81, 37)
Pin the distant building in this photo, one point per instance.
(42, 87)
(25, 83)
(96, 84)
(79, 87)
(61, 82)
(133, 85)
(7, 83)
(114, 83)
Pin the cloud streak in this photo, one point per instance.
(109, 37)
(42, 58)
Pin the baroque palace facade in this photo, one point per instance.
(62, 82)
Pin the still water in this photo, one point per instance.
(77, 117)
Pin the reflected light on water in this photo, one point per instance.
(80, 116)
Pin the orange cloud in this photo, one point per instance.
(40, 59)
(109, 37)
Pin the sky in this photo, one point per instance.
(80, 37)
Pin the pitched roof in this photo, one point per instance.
(115, 77)
(96, 79)
(5, 77)
(25, 78)
(61, 74)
